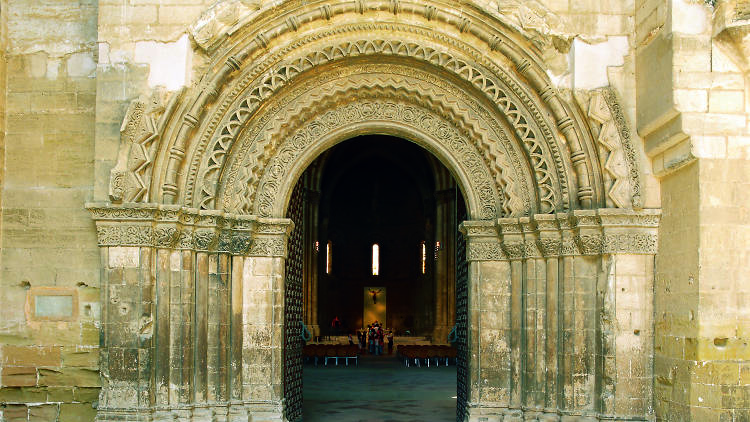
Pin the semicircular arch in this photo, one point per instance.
(261, 60)
(527, 117)
(265, 162)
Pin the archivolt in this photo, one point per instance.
(542, 152)
(530, 123)
(300, 103)
(261, 60)
(357, 104)
(374, 115)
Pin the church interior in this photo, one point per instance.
(384, 191)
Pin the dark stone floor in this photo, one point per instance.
(380, 389)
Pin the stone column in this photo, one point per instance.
(626, 312)
(310, 267)
(511, 233)
(560, 315)
(186, 301)
(489, 323)
(534, 333)
(263, 321)
(549, 240)
(445, 275)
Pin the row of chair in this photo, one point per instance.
(324, 352)
(426, 353)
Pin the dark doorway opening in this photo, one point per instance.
(376, 220)
(377, 191)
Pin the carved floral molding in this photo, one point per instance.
(584, 232)
(175, 227)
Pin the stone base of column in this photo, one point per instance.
(504, 414)
(235, 412)
(264, 412)
(492, 414)
(117, 415)
(192, 414)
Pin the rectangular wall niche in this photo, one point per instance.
(52, 304)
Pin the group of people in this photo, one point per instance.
(374, 338)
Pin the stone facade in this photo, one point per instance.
(150, 149)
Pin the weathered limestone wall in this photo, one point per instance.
(720, 383)
(701, 357)
(676, 294)
(49, 332)
(3, 104)
(692, 114)
(142, 45)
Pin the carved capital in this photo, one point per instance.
(585, 232)
(514, 250)
(478, 229)
(484, 251)
(271, 236)
(569, 247)
(166, 235)
(172, 227)
(532, 249)
(482, 241)
(268, 247)
(549, 246)
(589, 244)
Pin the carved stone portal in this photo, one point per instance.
(560, 255)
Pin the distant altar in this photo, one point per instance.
(374, 306)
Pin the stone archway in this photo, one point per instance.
(556, 270)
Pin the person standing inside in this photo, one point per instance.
(390, 342)
(376, 339)
(379, 340)
(370, 339)
(382, 340)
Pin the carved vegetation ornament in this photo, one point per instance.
(606, 231)
(252, 73)
(174, 227)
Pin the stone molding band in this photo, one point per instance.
(506, 414)
(234, 410)
(582, 232)
(177, 227)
